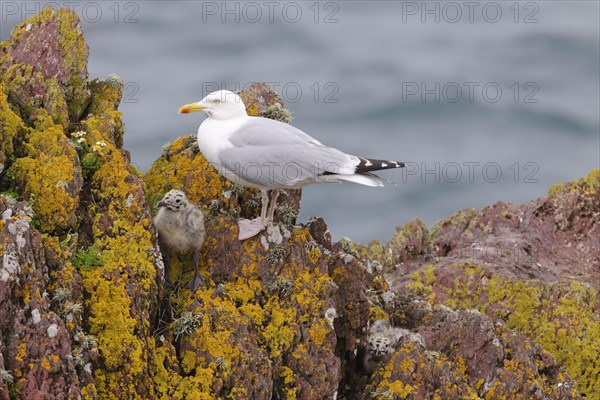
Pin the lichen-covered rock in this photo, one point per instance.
(560, 316)
(548, 238)
(94, 292)
(534, 267)
(38, 349)
(10, 127)
(261, 100)
(118, 256)
(102, 110)
(49, 175)
(44, 64)
(464, 354)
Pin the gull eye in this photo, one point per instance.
(216, 101)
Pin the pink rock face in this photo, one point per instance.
(38, 342)
(549, 238)
(39, 45)
(467, 354)
(52, 43)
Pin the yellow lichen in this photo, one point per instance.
(9, 124)
(560, 316)
(21, 352)
(46, 173)
(176, 170)
(46, 364)
(376, 313)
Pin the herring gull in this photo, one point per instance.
(265, 154)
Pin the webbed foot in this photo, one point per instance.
(195, 282)
(250, 228)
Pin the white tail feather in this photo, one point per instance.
(372, 181)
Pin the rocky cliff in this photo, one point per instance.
(498, 303)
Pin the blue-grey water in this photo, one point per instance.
(488, 101)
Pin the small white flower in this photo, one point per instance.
(81, 140)
(98, 146)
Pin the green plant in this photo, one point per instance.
(87, 259)
(15, 390)
(10, 196)
(153, 201)
(90, 163)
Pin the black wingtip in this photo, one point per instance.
(370, 164)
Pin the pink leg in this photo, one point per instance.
(274, 196)
(251, 228)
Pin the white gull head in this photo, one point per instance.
(221, 105)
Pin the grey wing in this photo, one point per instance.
(256, 125)
(273, 154)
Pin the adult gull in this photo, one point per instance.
(269, 155)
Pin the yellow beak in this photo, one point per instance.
(189, 108)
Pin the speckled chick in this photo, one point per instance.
(382, 340)
(180, 226)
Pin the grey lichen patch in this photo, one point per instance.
(282, 286)
(70, 309)
(278, 113)
(186, 324)
(6, 376)
(348, 247)
(287, 214)
(114, 81)
(10, 264)
(274, 235)
(18, 230)
(61, 294)
(275, 256)
(382, 394)
(221, 363)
